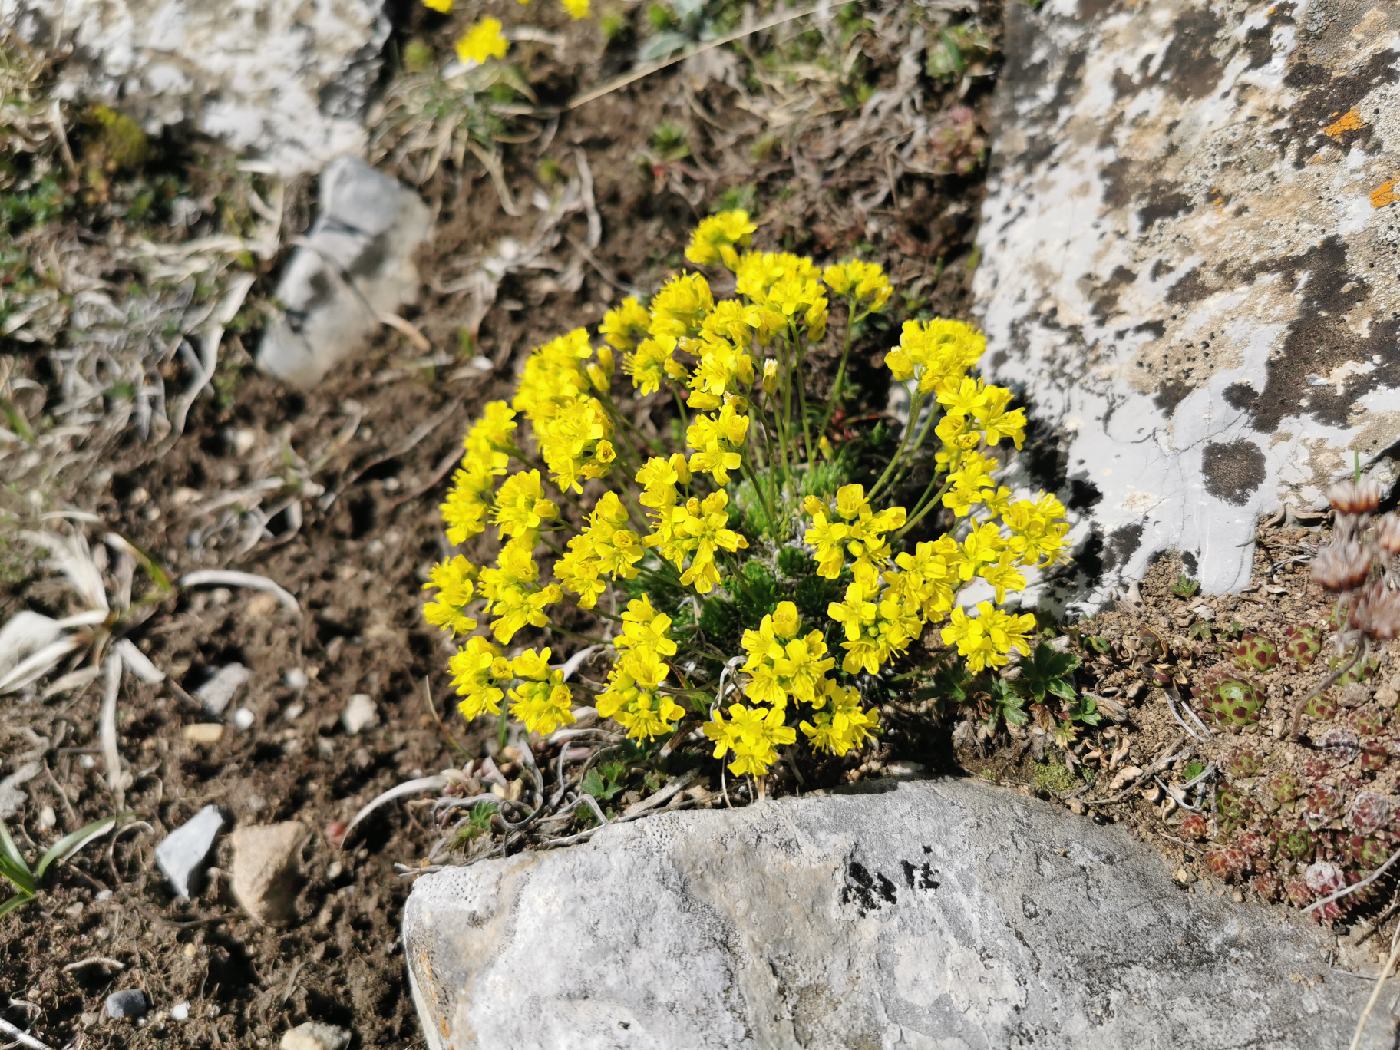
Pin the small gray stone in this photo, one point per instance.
(219, 691)
(354, 267)
(129, 1003)
(183, 853)
(360, 713)
(313, 1035)
(264, 870)
(947, 914)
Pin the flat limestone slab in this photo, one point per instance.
(1189, 257)
(936, 914)
(284, 80)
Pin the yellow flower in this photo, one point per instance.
(716, 440)
(512, 593)
(576, 8)
(442, 7)
(988, 639)
(752, 735)
(696, 530)
(780, 665)
(605, 547)
(879, 621)
(864, 282)
(539, 699)
(625, 325)
(842, 725)
(680, 307)
(520, 505)
(935, 353)
(477, 670)
(455, 582)
(482, 42)
(659, 477)
(717, 238)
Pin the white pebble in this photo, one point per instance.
(243, 718)
(180, 1012)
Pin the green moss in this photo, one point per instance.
(1053, 777)
(118, 144)
(417, 56)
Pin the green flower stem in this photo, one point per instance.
(851, 320)
(924, 504)
(915, 406)
(908, 462)
(761, 492)
(799, 356)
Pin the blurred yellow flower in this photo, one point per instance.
(482, 42)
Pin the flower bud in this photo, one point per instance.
(1355, 497)
(1341, 566)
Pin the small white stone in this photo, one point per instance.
(47, 818)
(243, 718)
(313, 1035)
(180, 1012)
(360, 713)
(182, 854)
(217, 693)
(293, 711)
(295, 678)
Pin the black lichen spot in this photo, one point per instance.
(1233, 470)
(920, 877)
(1321, 340)
(1164, 204)
(1083, 494)
(1170, 394)
(1122, 544)
(1190, 68)
(1241, 396)
(868, 892)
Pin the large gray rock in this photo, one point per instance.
(353, 268)
(1189, 254)
(943, 914)
(286, 80)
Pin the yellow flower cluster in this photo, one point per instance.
(719, 238)
(605, 548)
(632, 696)
(855, 530)
(865, 284)
(651, 546)
(571, 427)
(690, 534)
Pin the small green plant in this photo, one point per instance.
(1234, 702)
(957, 50)
(1186, 587)
(668, 142)
(1254, 652)
(478, 823)
(27, 881)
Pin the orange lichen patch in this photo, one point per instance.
(1348, 121)
(1384, 194)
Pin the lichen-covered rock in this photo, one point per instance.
(944, 914)
(353, 268)
(1189, 252)
(285, 80)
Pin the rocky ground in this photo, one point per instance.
(142, 444)
(130, 273)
